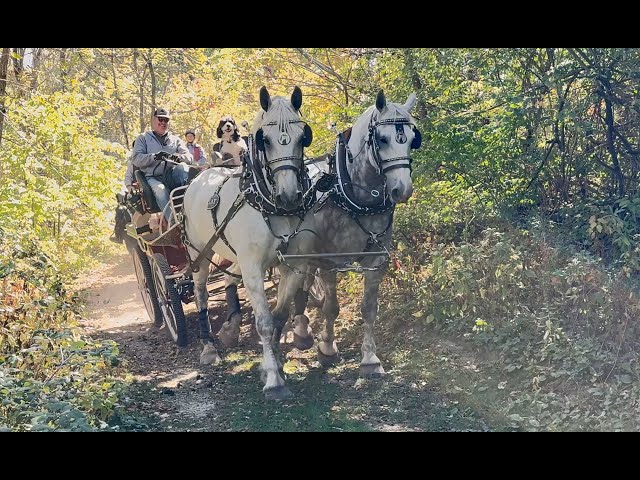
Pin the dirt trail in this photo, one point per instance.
(173, 392)
(170, 382)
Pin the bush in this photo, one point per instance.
(51, 377)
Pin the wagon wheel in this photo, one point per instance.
(316, 292)
(169, 300)
(146, 285)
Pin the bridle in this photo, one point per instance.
(258, 180)
(373, 141)
(295, 163)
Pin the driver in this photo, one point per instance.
(150, 151)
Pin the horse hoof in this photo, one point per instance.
(229, 334)
(209, 355)
(373, 370)
(328, 361)
(303, 343)
(277, 394)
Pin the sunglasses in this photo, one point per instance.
(162, 120)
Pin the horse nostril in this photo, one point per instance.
(279, 200)
(395, 194)
(298, 196)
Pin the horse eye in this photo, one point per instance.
(384, 140)
(267, 141)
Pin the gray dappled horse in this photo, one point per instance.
(356, 215)
(247, 239)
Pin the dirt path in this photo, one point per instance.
(173, 392)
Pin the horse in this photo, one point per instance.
(368, 178)
(230, 214)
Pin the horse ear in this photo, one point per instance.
(296, 98)
(411, 102)
(265, 99)
(381, 101)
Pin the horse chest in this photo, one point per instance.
(341, 232)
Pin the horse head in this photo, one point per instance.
(385, 134)
(280, 137)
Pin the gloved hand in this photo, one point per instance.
(161, 156)
(174, 157)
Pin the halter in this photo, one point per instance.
(283, 139)
(342, 192)
(401, 138)
(342, 186)
(258, 182)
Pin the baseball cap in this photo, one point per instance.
(161, 112)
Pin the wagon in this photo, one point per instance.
(161, 264)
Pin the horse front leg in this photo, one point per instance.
(328, 349)
(370, 365)
(252, 276)
(229, 334)
(209, 355)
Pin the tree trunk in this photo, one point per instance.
(141, 82)
(37, 58)
(63, 68)
(18, 61)
(611, 147)
(416, 81)
(154, 83)
(4, 62)
(123, 126)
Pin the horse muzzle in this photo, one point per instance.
(289, 200)
(402, 193)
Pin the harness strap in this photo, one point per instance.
(373, 238)
(214, 208)
(237, 205)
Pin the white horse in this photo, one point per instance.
(356, 215)
(247, 237)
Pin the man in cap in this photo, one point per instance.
(152, 149)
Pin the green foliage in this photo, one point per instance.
(559, 322)
(60, 177)
(608, 229)
(51, 377)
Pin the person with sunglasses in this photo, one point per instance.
(150, 152)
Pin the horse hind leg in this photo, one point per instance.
(209, 355)
(290, 284)
(370, 365)
(302, 334)
(229, 334)
(328, 353)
